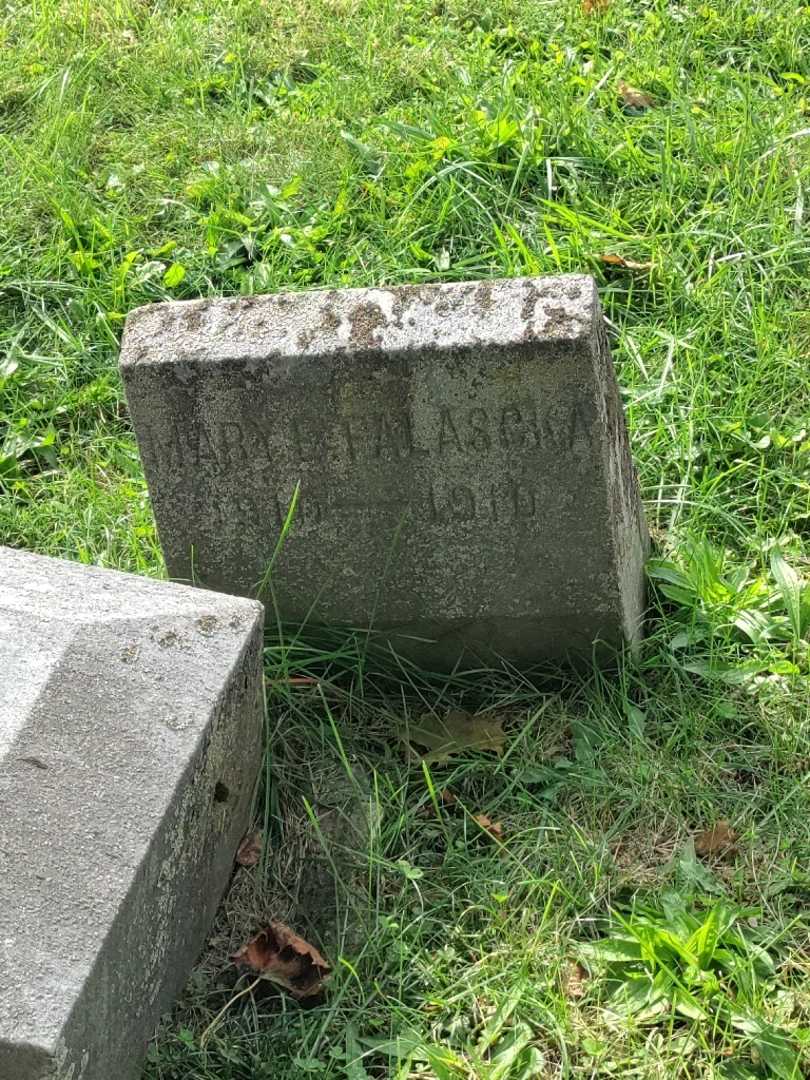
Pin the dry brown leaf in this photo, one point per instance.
(574, 978)
(595, 7)
(633, 98)
(494, 828)
(250, 850)
(626, 264)
(445, 798)
(720, 838)
(458, 731)
(278, 954)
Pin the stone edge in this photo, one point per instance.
(155, 321)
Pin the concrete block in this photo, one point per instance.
(130, 741)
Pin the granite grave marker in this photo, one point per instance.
(458, 454)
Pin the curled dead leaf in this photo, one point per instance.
(281, 956)
(250, 850)
(443, 736)
(494, 828)
(633, 98)
(626, 264)
(719, 839)
(573, 978)
(447, 798)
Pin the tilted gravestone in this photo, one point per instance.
(130, 740)
(458, 454)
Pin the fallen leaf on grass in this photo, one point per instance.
(626, 264)
(494, 828)
(250, 850)
(282, 957)
(595, 7)
(573, 979)
(445, 798)
(718, 839)
(441, 737)
(633, 98)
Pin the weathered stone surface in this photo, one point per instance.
(465, 479)
(130, 739)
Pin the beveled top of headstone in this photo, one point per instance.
(108, 684)
(463, 476)
(410, 318)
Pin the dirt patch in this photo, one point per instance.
(530, 299)
(483, 296)
(330, 320)
(192, 319)
(367, 320)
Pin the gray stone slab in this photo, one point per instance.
(464, 477)
(130, 740)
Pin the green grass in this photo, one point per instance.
(203, 148)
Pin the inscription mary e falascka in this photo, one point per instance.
(385, 435)
(386, 438)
